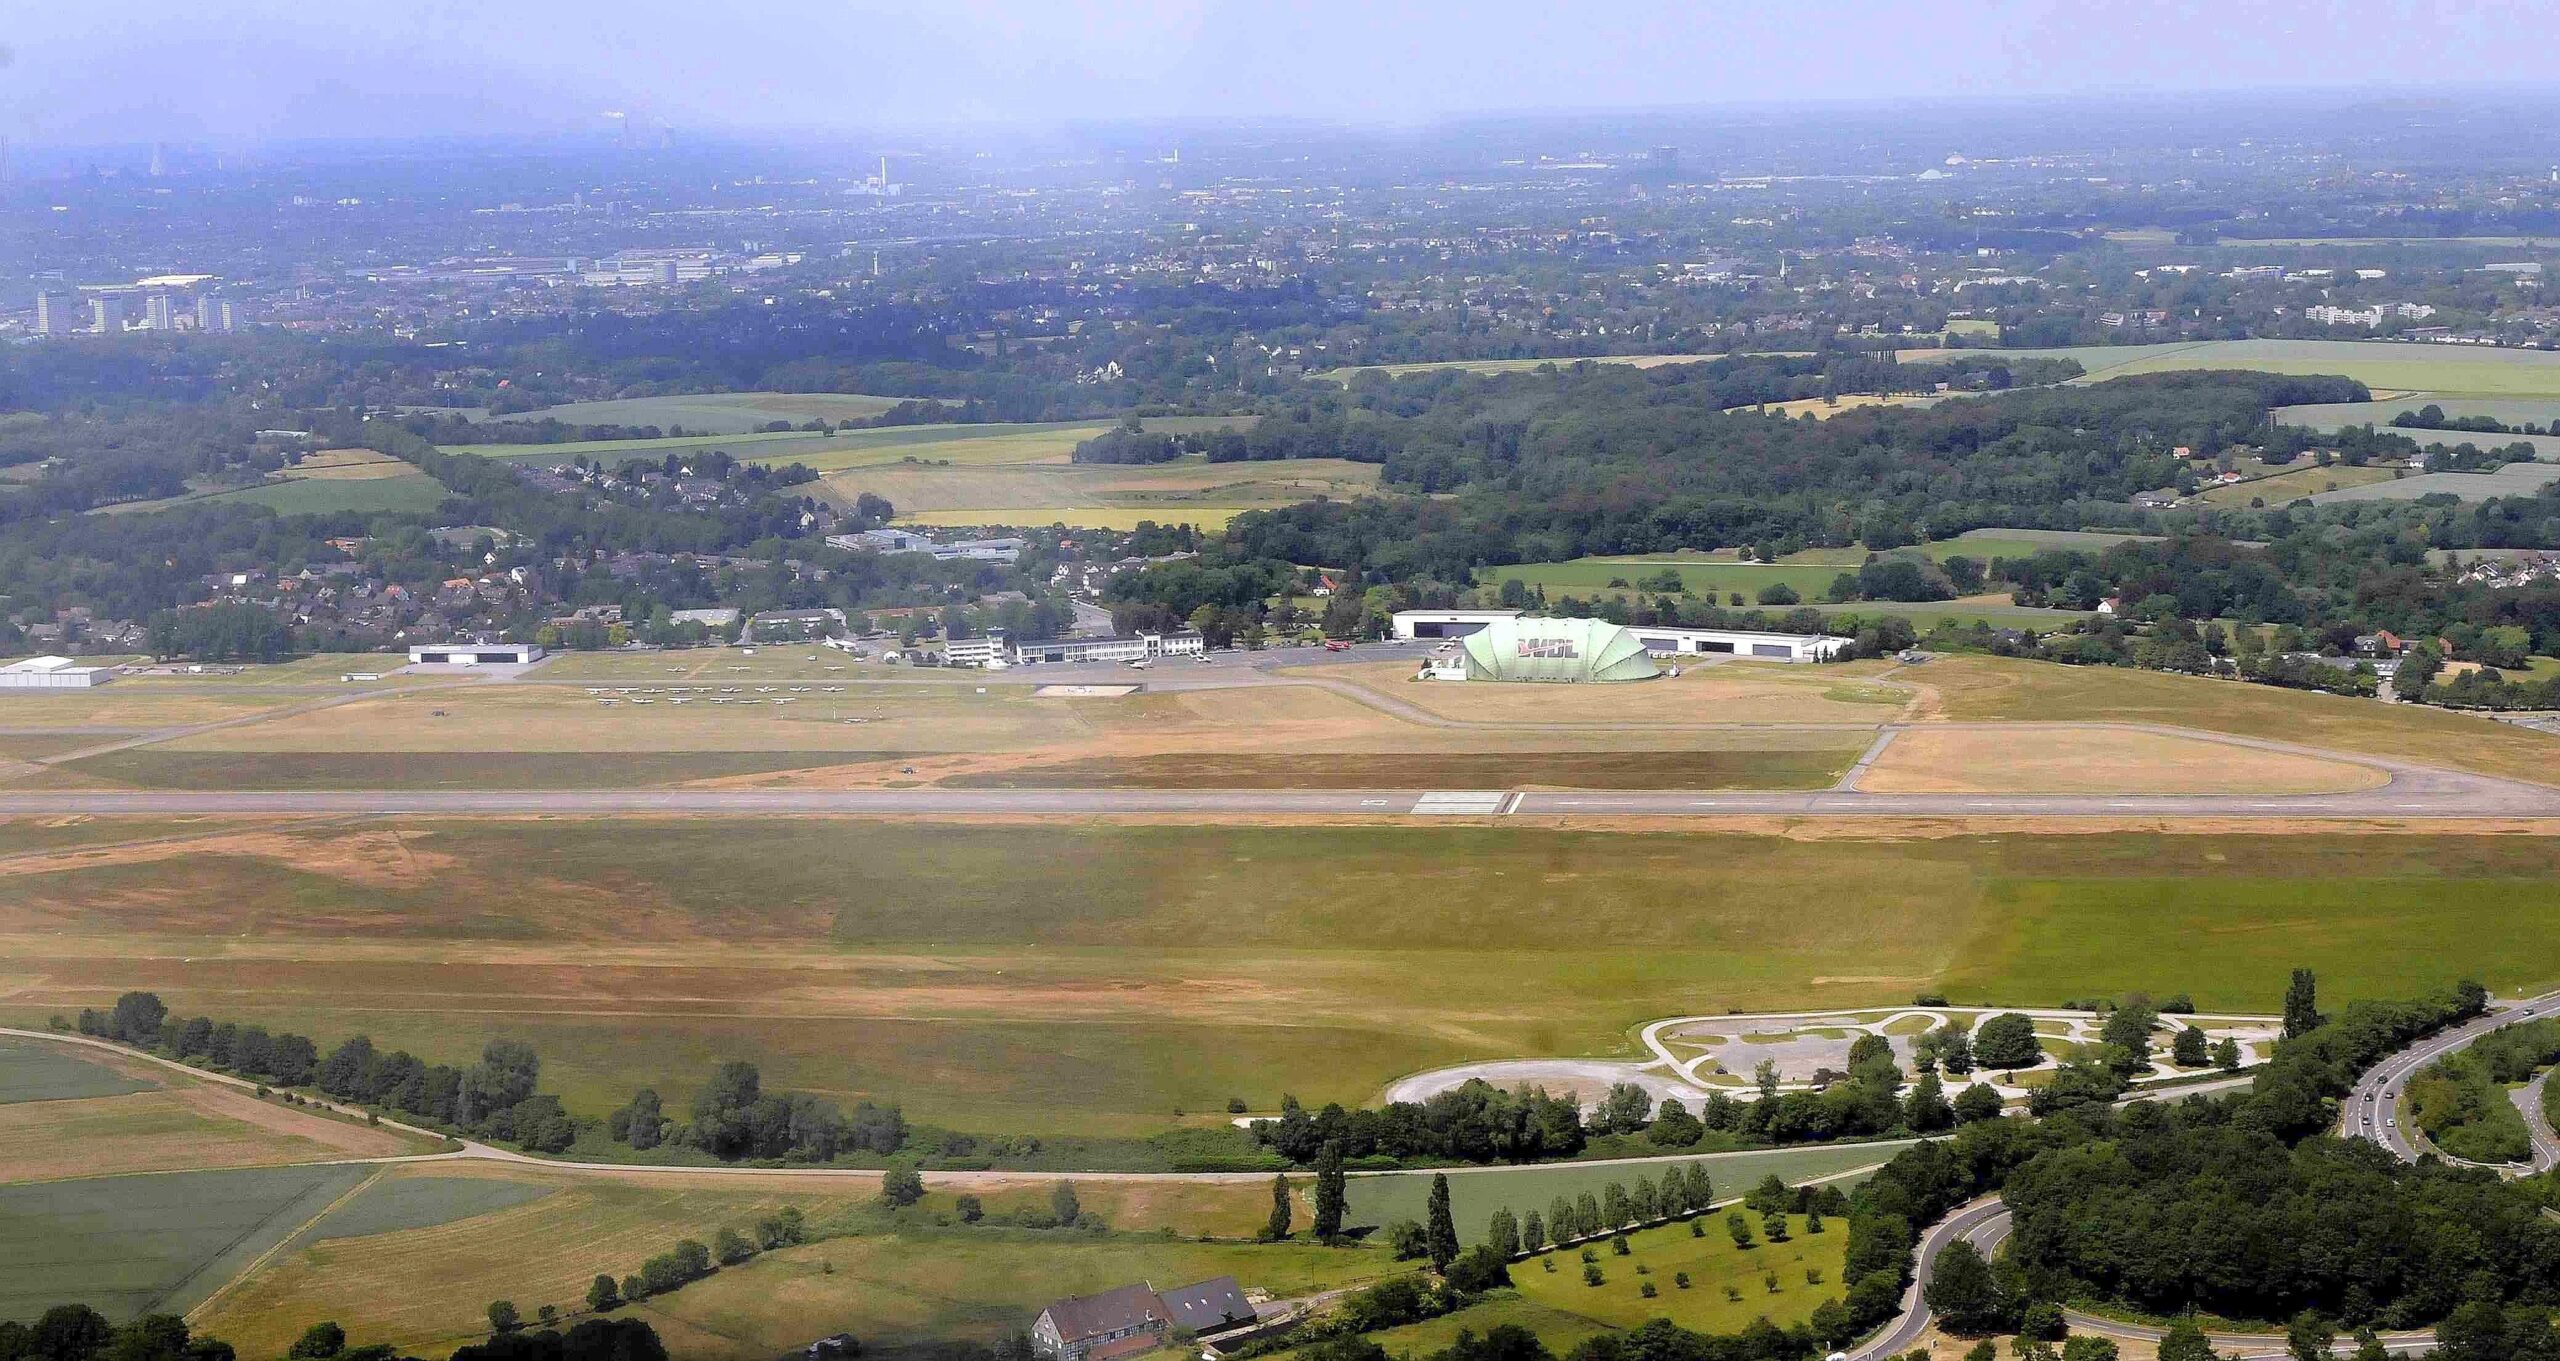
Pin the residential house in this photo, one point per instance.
(1136, 1318)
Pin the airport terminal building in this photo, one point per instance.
(1658, 641)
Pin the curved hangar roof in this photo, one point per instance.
(1556, 650)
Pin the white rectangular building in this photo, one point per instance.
(987, 649)
(1773, 647)
(475, 654)
(52, 673)
(1411, 624)
(1661, 642)
(1136, 647)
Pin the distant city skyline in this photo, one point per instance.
(249, 70)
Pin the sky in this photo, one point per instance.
(242, 71)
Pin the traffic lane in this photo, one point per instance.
(2372, 1106)
(1915, 1317)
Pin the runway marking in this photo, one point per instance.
(1460, 803)
(1513, 804)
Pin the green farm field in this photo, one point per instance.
(34, 1071)
(2296, 483)
(154, 1244)
(1122, 980)
(358, 481)
(2440, 370)
(716, 413)
(2334, 415)
(1641, 361)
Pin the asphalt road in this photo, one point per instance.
(2371, 1110)
(1969, 1223)
(2367, 1115)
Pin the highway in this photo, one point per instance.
(2371, 1110)
(2366, 1115)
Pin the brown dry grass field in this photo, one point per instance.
(1097, 978)
(2000, 689)
(1976, 760)
(350, 465)
(1734, 692)
(183, 1124)
(875, 733)
(424, 1288)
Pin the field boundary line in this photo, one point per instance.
(280, 1244)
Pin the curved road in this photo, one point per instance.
(2367, 1114)
(2371, 1110)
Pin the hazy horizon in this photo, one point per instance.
(251, 70)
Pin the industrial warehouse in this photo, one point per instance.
(1508, 645)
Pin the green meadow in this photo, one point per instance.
(149, 1244)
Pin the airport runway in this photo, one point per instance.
(2410, 795)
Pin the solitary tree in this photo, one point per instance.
(2190, 1049)
(1441, 1230)
(1330, 1197)
(503, 1317)
(1739, 1227)
(1926, 1108)
(1503, 1233)
(2309, 1336)
(2226, 1054)
(1964, 1293)
(602, 1295)
(2301, 1004)
(2008, 1040)
(901, 1186)
(1063, 1204)
(318, 1342)
(2186, 1342)
(1533, 1232)
(1277, 1227)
